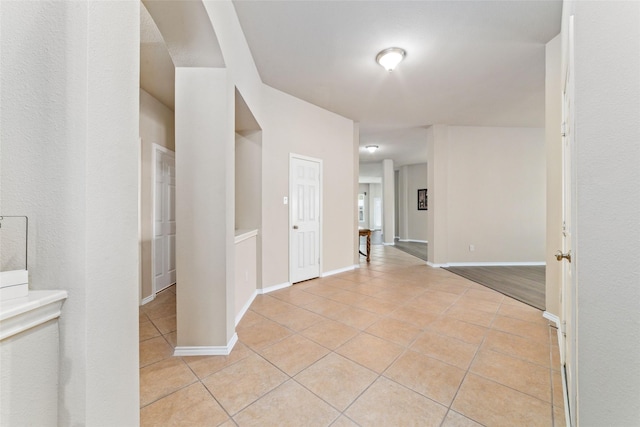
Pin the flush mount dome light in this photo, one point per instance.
(371, 148)
(391, 57)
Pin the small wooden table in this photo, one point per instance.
(365, 232)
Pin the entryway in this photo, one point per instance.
(164, 218)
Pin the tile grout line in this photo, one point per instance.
(468, 370)
(361, 330)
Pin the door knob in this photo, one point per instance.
(560, 256)
(295, 227)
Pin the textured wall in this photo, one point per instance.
(69, 131)
(607, 225)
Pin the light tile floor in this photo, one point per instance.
(394, 343)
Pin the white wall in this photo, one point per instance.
(356, 173)
(246, 274)
(205, 236)
(370, 170)
(607, 229)
(157, 126)
(487, 189)
(248, 182)
(400, 198)
(496, 194)
(69, 131)
(437, 220)
(553, 149)
(294, 126)
(413, 223)
(157, 122)
(388, 202)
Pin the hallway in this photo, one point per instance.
(392, 343)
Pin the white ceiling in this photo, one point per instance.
(468, 62)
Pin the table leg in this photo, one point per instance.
(368, 247)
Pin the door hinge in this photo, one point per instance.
(563, 129)
(563, 327)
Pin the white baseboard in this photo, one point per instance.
(412, 240)
(493, 264)
(552, 317)
(388, 244)
(273, 288)
(340, 270)
(215, 350)
(148, 299)
(430, 264)
(245, 307)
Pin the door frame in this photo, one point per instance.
(320, 207)
(156, 148)
(568, 299)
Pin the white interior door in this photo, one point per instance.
(304, 213)
(568, 289)
(164, 223)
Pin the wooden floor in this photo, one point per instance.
(418, 250)
(524, 283)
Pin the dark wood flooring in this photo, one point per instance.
(524, 283)
(418, 250)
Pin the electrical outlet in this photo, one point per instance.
(472, 248)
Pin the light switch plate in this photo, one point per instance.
(285, 200)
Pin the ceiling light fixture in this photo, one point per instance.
(391, 57)
(371, 148)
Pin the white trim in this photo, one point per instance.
(430, 264)
(413, 240)
(320, 207)
(340, 270)
(245, 307)
(242, 235)
(20, 314)
(273, 288)
(492, 264)
(148, 299)
(140, 298)
(215, 350)
(388, 244)
(553, 318)
(14, 284)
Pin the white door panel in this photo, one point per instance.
(305, 219)
(164, 229)
(568, 289)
